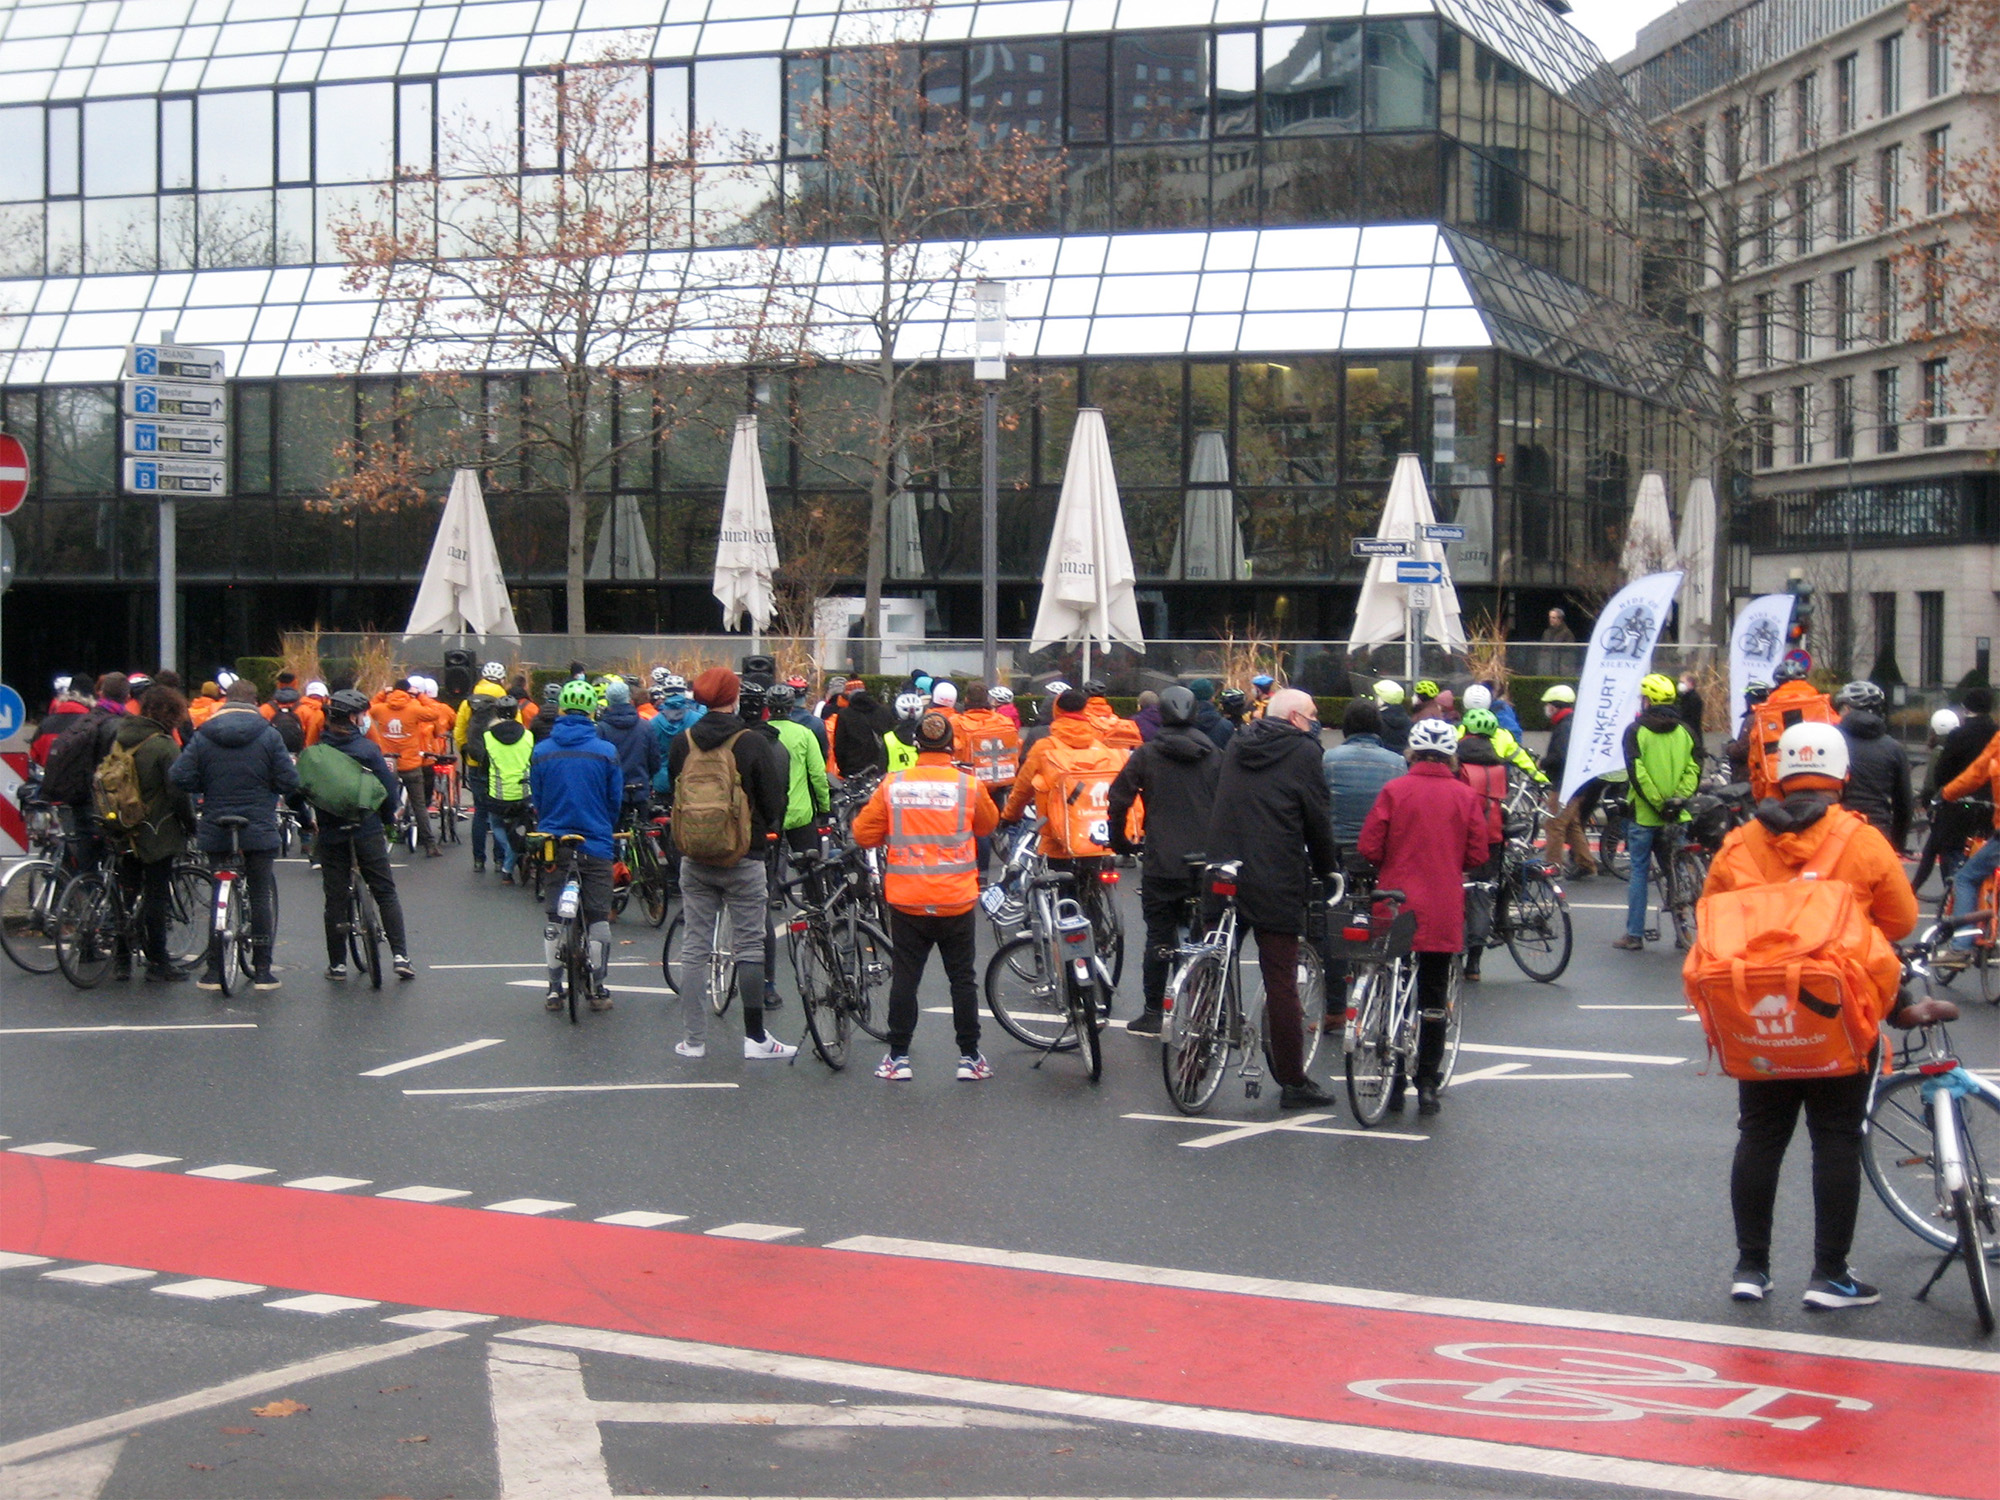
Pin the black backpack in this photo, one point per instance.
(484, 711)
(285, 719)
(73, 758)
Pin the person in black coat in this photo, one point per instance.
(238, 766)
(857, 735)
(1878, 776)
(1689, 706)
(1174, 774)
(1954, 822)
(1274, 815)
(1207, 717)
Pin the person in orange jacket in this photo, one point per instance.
(1072, 736)
(1793, 701)
(311, 715)
(931, 816)
(1119, 734)
(204, 703)
(1812, 762)
(399, 723)
(988, 744)
(1982, 775)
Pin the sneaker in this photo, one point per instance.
(163, 974)
(553, 1000)
(1749, 1284)
(770, 1047)
(404, 968)
(336, 971)
(479, 867)
(1147, 1023)
(1630, 944)
(974, 1069)
(266, 981)
(1428, 1102)
(895, 1068)
(600, 999)
(211, 981)
(691, 1049)
(1846, 1291)
(1307, 1095)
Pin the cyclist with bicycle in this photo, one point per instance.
(345, 844)
(403, 727)
(239, 767)
(1661, 761)
(504, 759)
(475, 717)
(1481, 767)
(1426, 830)
(577, 787)
(930, 817)
(1878, 782)
(1983, 775)
(1788, 831)
(639, 758)
(148, 850)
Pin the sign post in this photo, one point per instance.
(989, 368)
(176, 443)
(1420, 577)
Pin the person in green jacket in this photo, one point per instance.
(505, 752)
(1661, 760)
(146, 864)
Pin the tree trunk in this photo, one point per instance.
(579, 514)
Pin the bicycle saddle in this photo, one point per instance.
(230, 820)
(1226, 869)
(1926, 1012)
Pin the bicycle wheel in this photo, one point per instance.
(863, 951)
(1966, 1213)
(1108, 931)
(1026, 998)
(721, 967)
(368, 936)
(284, 836)
(86, 931)
(229, 931)
(1538, 926)
(670, 954)
(1312, 1005)
(829, 1019)
(1454, 1021)
(1195, 1051)
(1612, 856)
(29, 894)
(1371, 1062)
(1901, 1162)
(1690, 876)
(1985, 970)
(190, 903)
(650, 878)
(576, 966)
(1085, 1015)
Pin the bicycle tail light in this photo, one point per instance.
(1107, 877)
(798, 924)
(1224, 887)
(1357, 935)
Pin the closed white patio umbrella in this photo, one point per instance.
(746, 549)
(623, 549)
(463, 590)
(1210, 543)
(1649, 535)
(1697, 553)
(1088, 579)
(1382, 614)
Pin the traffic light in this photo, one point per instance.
(1802, 611)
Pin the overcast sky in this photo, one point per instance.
(1613, 24)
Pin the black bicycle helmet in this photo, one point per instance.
(780, 697)
(346, 703)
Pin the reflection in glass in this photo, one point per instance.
(415, 117)
(1402, 75)
(21, 231)
(1086, 191)
(1288, 420)
(79, 451)
(235, 230)
(736, 205)
(235, 140)
(65, 238)
(1160, 86)
(478, 125)
(118, 147)
(315, 416)
(670, 113)
(21, 154)
(1400, 177)
(1236, 83)
(177, 232)
(1292, 533)
(737, 106)
(176, 144)
(295, 163)
(1014, 87)
(76, 539)
(1378, 416)
(805, 98)
(250, 439)
(1312, 79)
(118, 235)
(356, 128)
(1163, 187)
(1141, 401)
(295, 228)
(65, 128)
(1310, 182)
(1089, 90)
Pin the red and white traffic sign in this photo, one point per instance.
(13, 474)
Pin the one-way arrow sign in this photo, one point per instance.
(1419, 572)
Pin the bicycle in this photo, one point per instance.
(721, 959)
(443, 804)
(573, 949)
(1005, 899)
(290, 830)
(1984, 962)
(1922, 1144)
(836, 979)
(1608, 822)
(1530, 913)
(99, 920)
(1206, 1016)
(1048, 988)
(1384, 1022)
(363, 927)
(650, 878)
(229, 925)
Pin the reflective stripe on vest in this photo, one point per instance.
(932, 855)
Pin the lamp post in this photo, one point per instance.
(989, 368)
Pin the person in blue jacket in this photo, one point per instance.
(639, 757)
(678, 713)
(578, 787)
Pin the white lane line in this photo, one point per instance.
(1480, 1075)
(570, 1088)
(1307, 1124)
(639, 1218)
(1632, 1007)
(753, 1231)
(430, 1057)
(616, 963)
(1491, 1049)
(528, 1206)
(440, 1319)
(49, 1148)
(616, 989)
(1485, 1077)
(134, 1159)
(1444, 1307)
(11, 1259)
(230, 1171)
(209, 1289)
(418, 1193)
(1516, 1458)
(327, 1184)
(220, 1395)
(321, 1304)
(98, 1275)
(80, 1030)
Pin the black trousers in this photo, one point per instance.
(371, 853)
(152, 884)
(1433, 994)
(911, 938)
(1163, 901)
(1767, 1111)
(260, 882)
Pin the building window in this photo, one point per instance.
(1697, 148)
(1763, 431)
(1843, 201)
(1803, 193)
(1843, 417)
(1732, 143)
(1805, 112)
(1888, 184)
(1766, 223)
(1843, 309)
(1930, 638)
(1767, 128)
(1885, 638)
(1760, 329)
(1934, 274)
(1937, 401)
(1845, 71)
(1802, 420)
(1839, 653)
(1885, 302)
(1937, 163)
(1889, 74)
(1937, 58)
(1888, 411)
(1802, 316)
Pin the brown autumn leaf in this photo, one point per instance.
(422, 1437)
(239, 1431)
(286, 1407)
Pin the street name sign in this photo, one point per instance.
(175, 476)
(1380, 546)
(1439, 531)
(177, 439)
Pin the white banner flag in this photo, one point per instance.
(1756, 645)
(1621, 652)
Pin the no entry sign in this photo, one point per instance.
(13, 474)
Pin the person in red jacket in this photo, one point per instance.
(1426, 830)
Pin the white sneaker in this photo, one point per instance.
(691, 1049)
(770, 1047)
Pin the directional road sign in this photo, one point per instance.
(1439, 531)
(13, 712)
(1380, 546)
(175, 476)
(172, 362)
(1419, 572)
(13, 474)
(177, 439)
(160, 398)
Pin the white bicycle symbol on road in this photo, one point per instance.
(1565, 1383)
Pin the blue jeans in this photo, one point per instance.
(1639, 849)
(1965, 887)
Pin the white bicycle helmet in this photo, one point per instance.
(1434, 735)
(1479, 695)
(658, 677)
(1943, 722)
(909, 705)
(494, 671)
(674, 685)
(998, 694)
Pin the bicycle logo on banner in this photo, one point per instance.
(1566, 1383)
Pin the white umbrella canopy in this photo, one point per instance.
(1088, 578)
(1697, 554)
(1472, 559)
(463, 591)
(1649, 535)
(623, 549)
(1383, 612)
(746, 549)
(906, 538)
(1210, 543)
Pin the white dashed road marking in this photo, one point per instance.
(430, 1057)
(230, 1171)
(639, 1218)
(754, 1231)
(327, 1184)
(94, 1275)
(321, 1304)
(418, 1193)
(209, 1289)
(134, 1159)
(528, 1206)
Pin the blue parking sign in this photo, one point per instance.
(146, 361)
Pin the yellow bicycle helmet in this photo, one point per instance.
(1657, 687)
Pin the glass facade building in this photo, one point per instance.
(1305, 234)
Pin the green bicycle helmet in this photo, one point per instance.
(578, 697)
(1425, 688)
(1479, 721)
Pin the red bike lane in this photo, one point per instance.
(1875, 1419)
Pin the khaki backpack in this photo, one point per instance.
(114, 788)
(711, 808)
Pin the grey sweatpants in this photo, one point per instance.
(706, 890)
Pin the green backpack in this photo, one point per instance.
(114, 788)
(338, 784)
